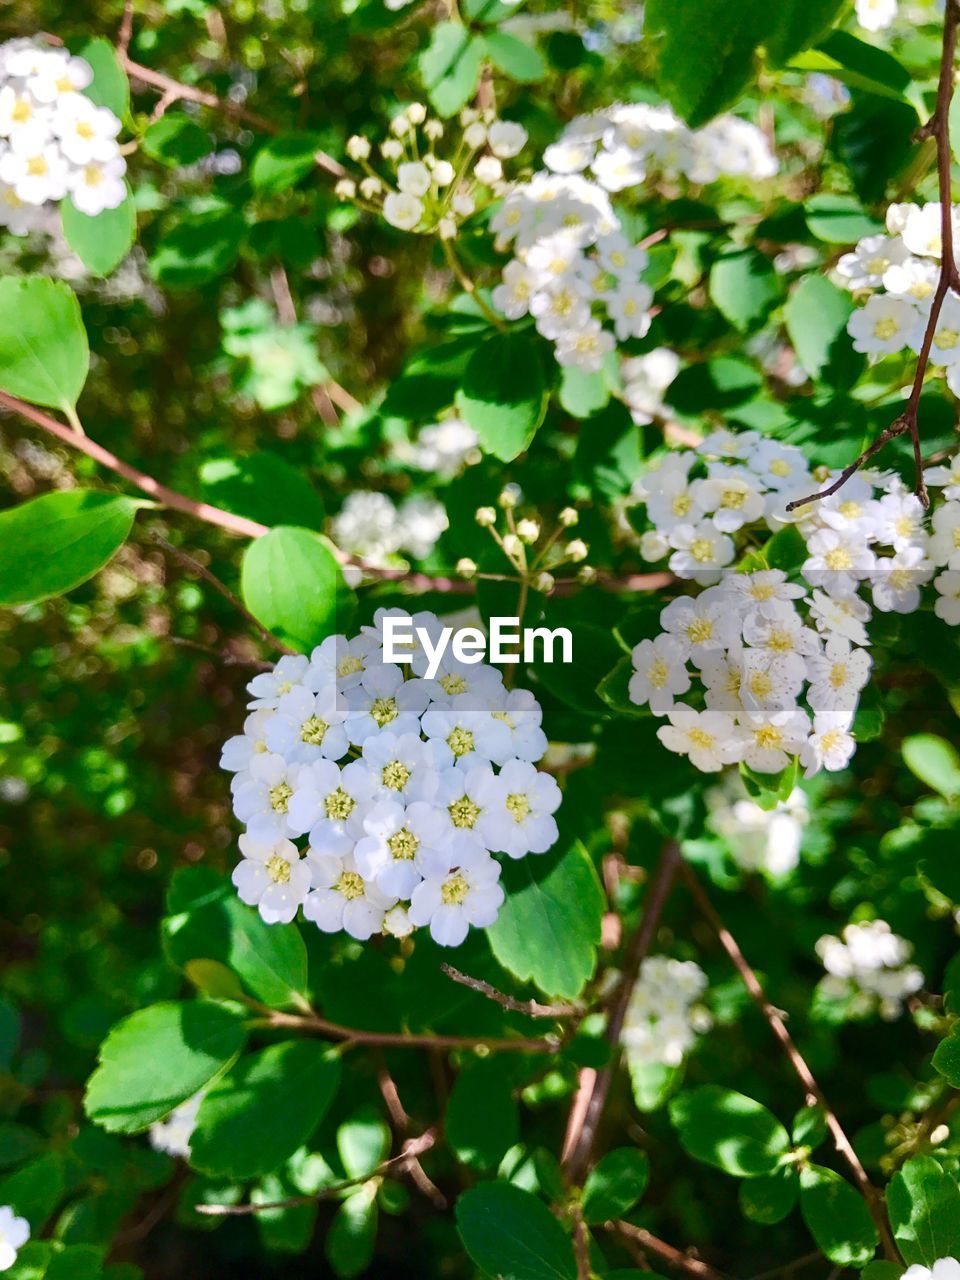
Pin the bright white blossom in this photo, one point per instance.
(664, 1015)
(14, 1234)
(871, 961)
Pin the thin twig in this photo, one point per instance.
(412, 1149)
(938, 128)
(595, 1085)
(314, 1025)
(806, 1077)
(682, 1262)
(581, 1244)
(532, 1008)
(125, 34)
(223, 656)
(194, 566)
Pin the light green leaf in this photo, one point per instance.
(730, 1131)
(516, 59)
(157, 1058)
(363, 1142)
(44, 356)
(263, 1108)
(52, 544)
(615, 1184)
(176, 140)
(549, 927)
(353, 1233)
(283, 161)
(838, 220)
(935, 762)
(924, 1204)
(816, 316)
(511, 1234)
(482, 1120)
(291, 582)
(745, 287)
(102, 242)
(837, 1217)
(503, 394)
(450, 66)
(109, 87)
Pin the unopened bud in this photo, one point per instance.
(433, 129)
(544, 582)
(391, 149)
(576, 550)
(528, 530)
(370, 187)
(475, 135)
(509, 496)
(416, 113)
(447, 227)
(358, 147)
(400, 125)
(486, 516)
(569, 517)
(466, 567)
(512, 544)
(587, 574)
(345, 189)
(488, 170)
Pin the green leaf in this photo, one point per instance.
(838, 220)
(176, 140)
(874, 139)
(157, 1058)
(482, 1120)
(730, 1131)
(109, 87)
(353, 1233)
(77, 1262)
(615, 1185)
(503, 394)
(744, 287)
(511, 1234)
(516, 59)
(935, 762)
(51, 544)
(44, 356)
(935, 849)
(837, 1217)
(583, 394)
(799, 23)
(549, 927)
(33, 1191)
(102, 242)
(207, 921)
(858, 65)
(363, 1142)
(816, 317)
(924, 1204)
(946, 1058)
(652, 1083)
(450, 66)
(705, 51)
(262, 487)
(768, 1200)
(198, 248)
(291, 583)
(266, 1106)
(9, 1032)
(283, 161)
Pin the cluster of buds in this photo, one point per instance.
(424, 192)
(533, 556)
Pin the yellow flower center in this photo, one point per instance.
(702, 550)
(349, 666)
(280, 797)
(92, 176)
(403, 845)
(838, 675)
(946, 339)
(904, 526)
(384, 710)
(313, 731)
(838, 558)
(761, 590)
(700, 630)
(460, 741)
(278, 869)
(84, 130)
(899, 579)
(657, 675)
(829, 741)
(780, 641)
(464, 813)
(886, 328)
(36, 166)
(518, 806)
(453, 684)
(700, 738)
(681, 504)
(877, 266)
(350, 885)
(733, 498)
(454, 890)
(395, 775)
(339, 805)
(21, 112)
(921, 290)
(768, 736)
(760, 684)
(779, 467)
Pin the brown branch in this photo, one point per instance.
(194, 566)
(595, 1086)
(581, 1244)
(314, 1025)
(413, 1148)
(682, 1262)
(532, 1008)
(125, 34)
(938, 127)
(223, 656)
(806, 1077)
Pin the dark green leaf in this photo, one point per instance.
(511, 1234)
(176, 140)
(768, 1200)
(352, 1236)
(924, 1204)
(503, 394)
(730, 1131)
(837, 1217)
(283, 161)
(615, 1184)
(482, 1120)
(262, 487)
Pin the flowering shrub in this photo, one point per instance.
(518, 443)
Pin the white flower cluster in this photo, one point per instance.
(871, 960)
(442, 448)
(14, 1234)
(899, 271)
(645, 381)
(621, 144)
(54, 141)
(173, 1133)
(942, 1269)
(370, 526)
(664, 1016)
(876, 15)
(759, 642)
(426, 193)
(404, 787)
(570, 258)
(766, 840)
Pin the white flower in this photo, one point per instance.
(759, 839)
(342, 899)
(897, 580)
(628, 309)
(269, 687)
(14, 1234)
(778, 466)
(837, 676)
(770, 681)
(467, 795)
(885, 325)
(273, 878)
(922, 231)
(914, 279)
(702, 625)
(671, 498)
(899, 520)
(780, 631)
(942, 1269)
(413, 179)
(488, 170)
(87, 133)
(172, 1134)
(239, 751)
(762, 591)
(662, 1021)
(874, 15)
(830, 745)
(512, 297)
(722, 676)
(771, 738)
(99, 185)
(263, 799)
(948, 476)
(701, 552)
(449, 904)
(401, 845)
(401, 767)
(37, 175)
(519, 818)
(660, 674)
(521, 714)
(403, 210)
(865, 267)
(329, 803)
(842, 613)
(308, 725)
(945, 347)
(944, 545)
(733, 497)
(653, 545)
(873, 958)
(340, 659)
(947, 606)
(709, 738)
(506, 139)
(584, 348)
(837, 562)
(383, 700)
(468, 733)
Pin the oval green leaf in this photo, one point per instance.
(44, 356)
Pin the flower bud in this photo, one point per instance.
(486, 517)
(391, 149)
(587, 574)
(576, 550)
(370, 187)
(416, 113)
(528, 530)
(512, 544)
(358, 147)
(509, 496)
(463, 204)
(544, 582)
(466, 567)
(433, 129)
(400, 125)
(488, 170)
(345, 189)
(443, 173)
(475, 135)
(447, 227)
(569, 517)
(397, 922)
